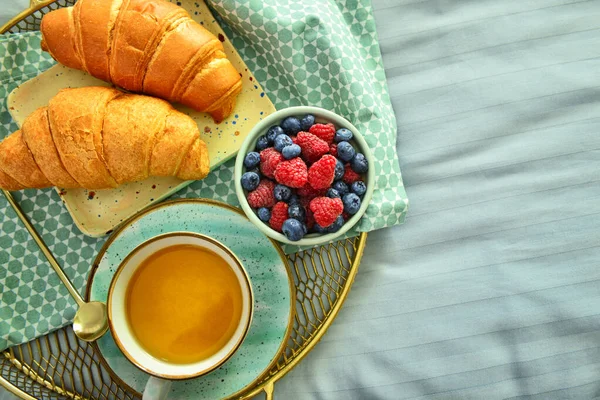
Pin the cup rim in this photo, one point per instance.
(120, 269)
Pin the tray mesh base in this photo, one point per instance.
(59, 365)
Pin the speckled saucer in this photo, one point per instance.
(266, 266)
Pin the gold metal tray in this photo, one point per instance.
(59, 366)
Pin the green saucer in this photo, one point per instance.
(271, 282)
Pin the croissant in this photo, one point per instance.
(99, 137)
(146, 46)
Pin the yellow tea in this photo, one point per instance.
(183, 303)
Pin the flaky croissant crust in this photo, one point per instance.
(99, 137)
(145, 46)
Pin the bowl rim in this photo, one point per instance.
(274, 119)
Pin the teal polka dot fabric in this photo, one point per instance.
(320, 53)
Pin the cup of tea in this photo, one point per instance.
(179, 306)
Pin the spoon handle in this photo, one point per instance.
(63, 277)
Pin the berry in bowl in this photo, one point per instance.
(303, 175)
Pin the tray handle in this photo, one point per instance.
(268, 389)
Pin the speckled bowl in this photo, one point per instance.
(321, 116)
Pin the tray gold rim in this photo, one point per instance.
(266, 383)
(15, 390)
(34, 5)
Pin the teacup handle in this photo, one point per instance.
(156, 389)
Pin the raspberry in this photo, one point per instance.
(279, 214)
(350, 176)
(262, 196)
(305, 201)
(321, 173)
(269, 159)
(309, 192)
(312, 147)
(292, 173)
(322, 131)
(333, 149)
(310, 219)
(326, 210)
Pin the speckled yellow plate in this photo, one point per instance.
(98, 212)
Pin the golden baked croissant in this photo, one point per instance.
(99, 137)
(147, 46)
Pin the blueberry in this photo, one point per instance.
(282, 141)
(256, 170)
(332, 193)
(337, 224)
(296, 211)
(351, 203)
(341, 187)
(359, 188)
(293, 200)
(339, 170)
(293, 229)
(282, 192)
(273, 132)
(264, 214)
(262, 143)
(307, 121)
(252, 159)
(359, 163)
(291, 151)
(250, 180)
(342, 135)
(291, 125)
(345, 151)
(319, 229)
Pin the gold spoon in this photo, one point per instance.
(91, 319)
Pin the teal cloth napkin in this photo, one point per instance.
(322, 53)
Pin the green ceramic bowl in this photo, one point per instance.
(321, 116)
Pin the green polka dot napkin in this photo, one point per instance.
(314, 52)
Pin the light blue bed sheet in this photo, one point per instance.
(492, 287)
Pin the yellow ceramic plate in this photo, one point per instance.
(97, 212)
